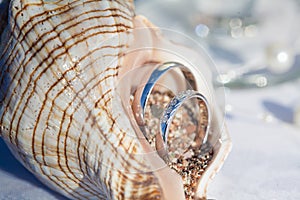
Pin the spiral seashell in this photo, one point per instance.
(62, 114)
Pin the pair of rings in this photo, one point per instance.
(175, 103)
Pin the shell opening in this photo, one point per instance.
(195, 167)
(180, 152)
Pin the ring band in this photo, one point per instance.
(156, 74)
(173, 107)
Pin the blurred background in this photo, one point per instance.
(255, 46)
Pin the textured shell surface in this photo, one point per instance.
(60, 114)
(56, 92)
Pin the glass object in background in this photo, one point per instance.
(254, 43)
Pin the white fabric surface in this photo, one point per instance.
(265, 160)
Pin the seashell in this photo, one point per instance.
(64, 112)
